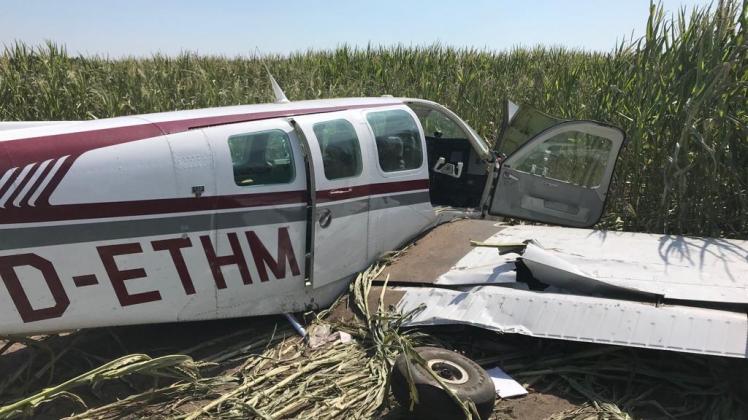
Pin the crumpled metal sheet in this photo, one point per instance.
(481, 266)
(676, 267)
(582, 318)
(548, 268)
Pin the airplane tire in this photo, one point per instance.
(463, 376)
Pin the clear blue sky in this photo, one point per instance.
(232, 27)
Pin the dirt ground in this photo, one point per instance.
(53, 359)
(26, 368)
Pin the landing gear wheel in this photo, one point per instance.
(464, 377)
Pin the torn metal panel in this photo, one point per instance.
(582, 318)
(549, 268)
(481, 266)
(676, 267)
(505, 386)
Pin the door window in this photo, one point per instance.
(437, 125)
(560, 176)
(262, 158)
(524, 124)
(341, 153)
(573, 156)
(398, 140)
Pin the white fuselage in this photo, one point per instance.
(145, 219)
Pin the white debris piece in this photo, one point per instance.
(506, 387)
(322, 334)
(481, 266)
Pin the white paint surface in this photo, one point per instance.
(582, 262)
(582, 318)
(506, 387)
(676, 267)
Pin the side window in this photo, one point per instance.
(262, 158)
(341, 153)
(573, 156)
(398, 140)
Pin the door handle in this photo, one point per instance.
(550, 184)
(325, 218)
(511, 177)
(341, 191)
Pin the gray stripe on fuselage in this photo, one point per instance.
(17, 238)
(349, 208)
(388, 201)
(123, 229)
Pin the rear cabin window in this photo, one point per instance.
(341, 153)
(263, 158)
(398, 140)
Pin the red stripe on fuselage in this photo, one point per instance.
(10, 183)
(69, 212)
(64, 212)
(346, 193)
(21, 152)
(38, 183)
(21, 185)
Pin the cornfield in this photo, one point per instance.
(680, 93)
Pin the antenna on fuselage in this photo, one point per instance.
(280, 97)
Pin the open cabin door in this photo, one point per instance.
(559, 173)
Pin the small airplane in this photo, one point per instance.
(261, 209)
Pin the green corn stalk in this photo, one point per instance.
(173, 366)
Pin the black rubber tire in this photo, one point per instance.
(433, 401)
